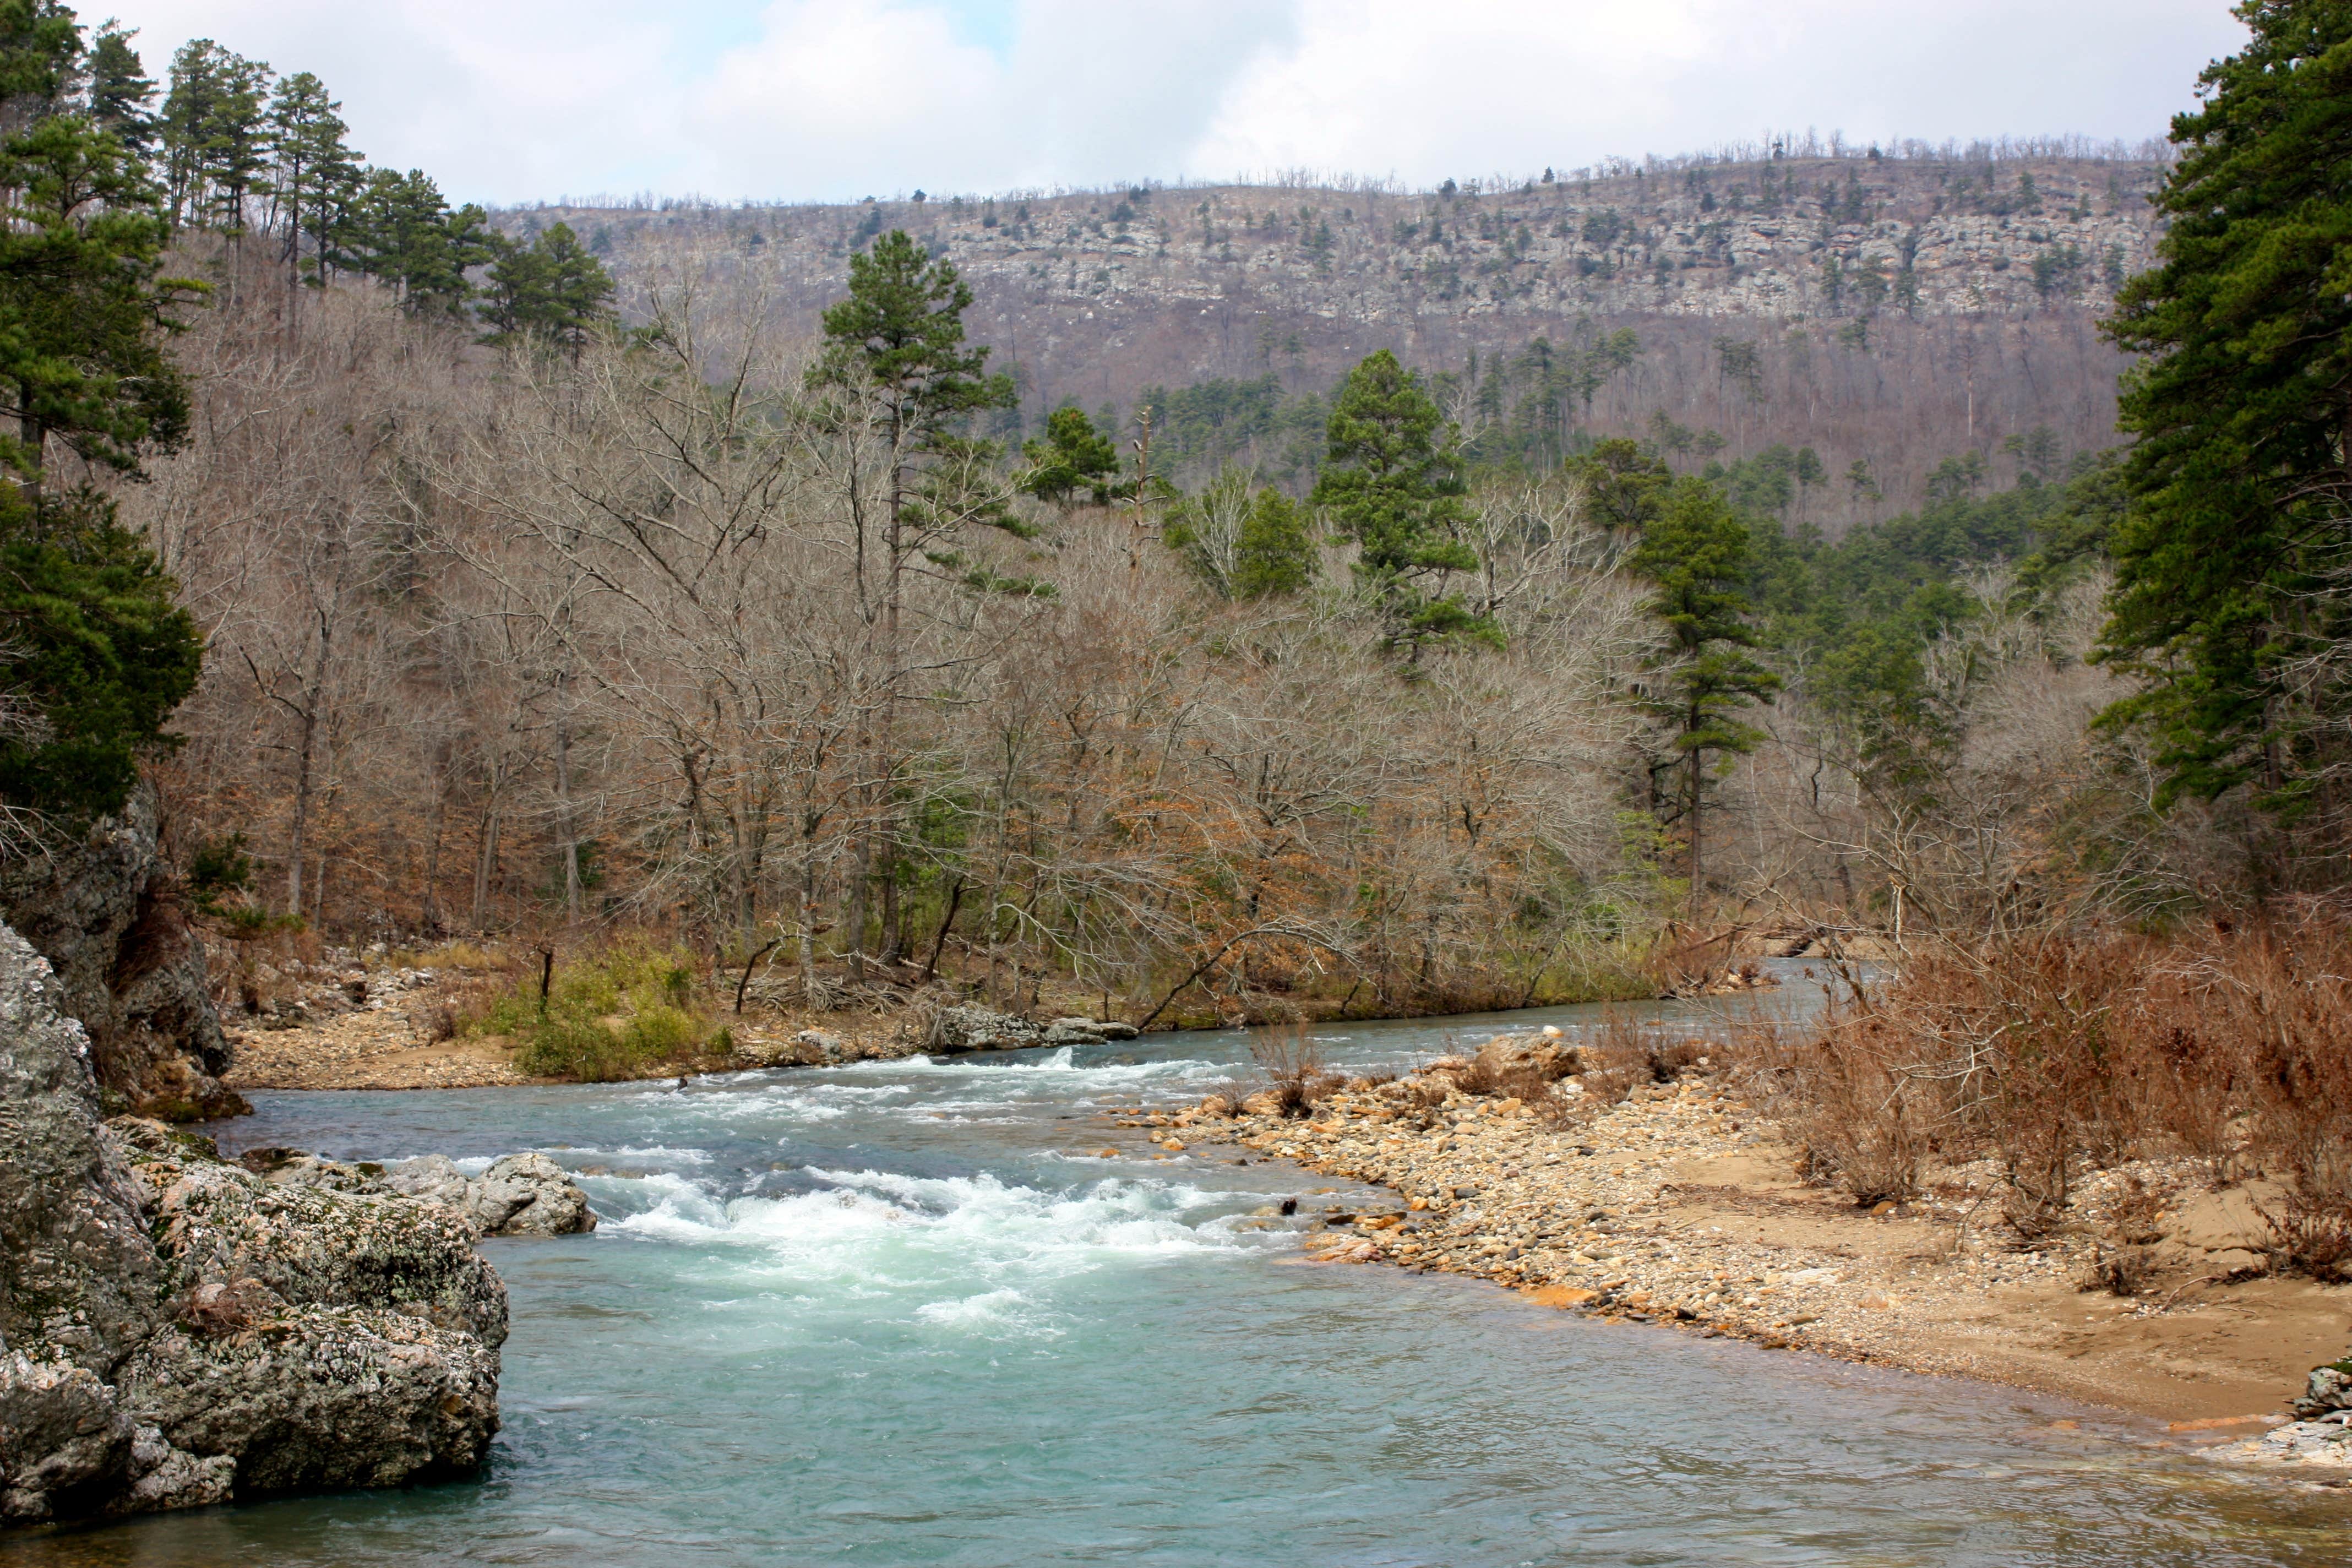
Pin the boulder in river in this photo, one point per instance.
(179, 1331)
(1087, 1032)
(521, 1195)
(975, 1028)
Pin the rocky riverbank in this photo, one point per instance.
(342, 1026)
(1679, 1204)
(176, 1329)
(102, 906)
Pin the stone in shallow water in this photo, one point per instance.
(521, 1195)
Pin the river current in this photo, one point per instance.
(919, 1312)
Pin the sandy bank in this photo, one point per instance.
(1680, 1205)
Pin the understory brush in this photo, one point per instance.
(1293, 1065)
(617, 1012)
(2064, 1053)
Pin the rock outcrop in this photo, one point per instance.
(522, 1195)
(975, 1028)
(177, 1330)
(101, 908)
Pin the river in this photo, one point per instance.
(913, 1313)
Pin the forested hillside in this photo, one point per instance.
(1518, 586)
(1887, 307)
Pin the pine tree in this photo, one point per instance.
(895, 345)
(1275, 551)
(121, 94)
(1072, 456)
(1699, 554)
(94, 649)
(401, 229)
(551, 289)
(2229, 562)
(900, 335)
(216, 135)
(312, 162)
(1392, 482)
(1625, 484)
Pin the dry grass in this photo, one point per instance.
(2061, 1054)
(1293, 1065)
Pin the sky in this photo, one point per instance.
(511, 101)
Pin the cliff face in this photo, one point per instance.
(1896, 313)
(100, 909)
(1830, 237)
(175, 1331)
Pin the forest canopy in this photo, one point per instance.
(529, 603)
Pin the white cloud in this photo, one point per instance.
(847, 97)
(514, 100)
(1484, 85)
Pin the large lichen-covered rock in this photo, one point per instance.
(215, 1223)
(302, 1398)
(77, 1271)
(520, 1194)
(65, 1443)
(177, 1331)
(975, 1028)
(100, 908)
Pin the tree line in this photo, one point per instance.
(776, 643)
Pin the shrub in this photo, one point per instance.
(618, 1013)
(1293, 1064)
(1857, 1114)
(2058, 1053)
(2120, 1271)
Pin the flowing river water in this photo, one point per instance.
(913, 1313)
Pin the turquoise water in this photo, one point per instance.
(907, 1314)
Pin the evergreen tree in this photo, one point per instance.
(401, 229)
(98, 653)
(1625, 483)
(121, 94)
(216, 135)
(895, 345)
(2229, 562)
(312, 164)
(1699, 554)
(1392, 482)
(551, 289)
(82, 308)
(1071, 456)
(1275, 551)
(40, 49)
(94, 651)
(900, 334)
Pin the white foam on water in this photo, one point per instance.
(629, 1152)
(968, 1252)
(993, 1314)
(661, 1205)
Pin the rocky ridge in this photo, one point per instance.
(1723, 240)
(1894, 309)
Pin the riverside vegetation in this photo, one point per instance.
(1678, 1175)
(385, 594)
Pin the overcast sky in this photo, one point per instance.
(515, 100)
